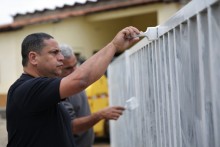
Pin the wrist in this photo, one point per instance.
(113, 46)
(99, 115)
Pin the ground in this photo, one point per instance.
(3, 133)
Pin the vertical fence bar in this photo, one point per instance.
(214, 29)
(171, 63)
(176, 87)
(204, 59)
(155, 137)
(158, 94)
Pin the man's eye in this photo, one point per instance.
(54, 52)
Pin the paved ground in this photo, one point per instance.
(3, 133)
(3, 136)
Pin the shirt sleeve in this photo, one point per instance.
(70, 109)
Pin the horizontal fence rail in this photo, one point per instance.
(176, 81)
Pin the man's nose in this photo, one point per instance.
(60, 57)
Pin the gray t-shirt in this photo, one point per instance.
(78, 106)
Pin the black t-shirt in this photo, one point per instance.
(34, 116)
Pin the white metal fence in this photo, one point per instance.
(176, 80)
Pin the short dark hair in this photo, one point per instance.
(33, 42)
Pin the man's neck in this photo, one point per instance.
(30, 72)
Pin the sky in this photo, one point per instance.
(8, 8)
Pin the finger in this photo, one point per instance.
(131, 31)
(134, 39)
(116, 116)
(119, 112)
(119, 108)
(126, 30)
(135, 30)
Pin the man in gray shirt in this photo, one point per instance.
(78, 107)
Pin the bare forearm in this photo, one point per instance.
(95, 66)
(90, 71)
(82, 124)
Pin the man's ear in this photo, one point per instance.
(32, 57)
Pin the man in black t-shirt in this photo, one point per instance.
(34, 116)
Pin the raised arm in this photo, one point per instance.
(92, 69)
